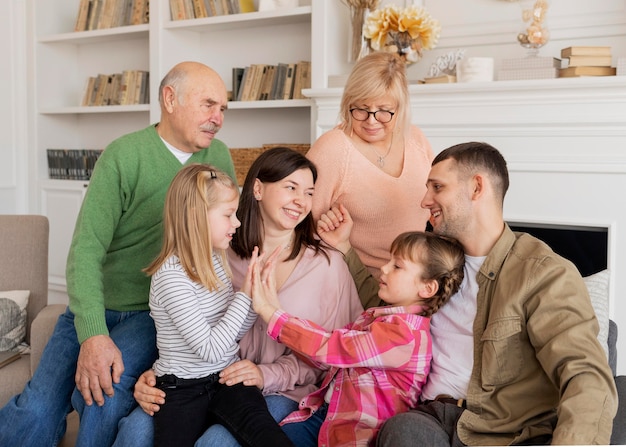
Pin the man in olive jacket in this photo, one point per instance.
(516, 356)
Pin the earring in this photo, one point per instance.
(257, 196)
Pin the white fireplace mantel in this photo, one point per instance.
(564, 141)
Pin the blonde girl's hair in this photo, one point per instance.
(442, 259)
(379, 74)
(196, 189)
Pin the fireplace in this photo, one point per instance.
(564, 141)
(586, 247)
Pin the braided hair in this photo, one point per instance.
(442, 259)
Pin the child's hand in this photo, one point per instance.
(335, 226)
(246, 287)
(264, 296)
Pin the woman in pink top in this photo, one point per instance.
(374, 162)
(378, 364)
(313, 282)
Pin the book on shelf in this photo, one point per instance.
(443, 79)
(199, 9)
(244, 79)
(527, 73)
(140, 9)
(585, 51)
(72, 164)
(83, 15)
(246, 5)
(290, 76)
(237, 77)
(247, 82)
(105, 20)
(589, 61)
(266, 82)
(521, 63)
(278, 86)
(102, 14)
(256, 82)
(572, 72)
(302, 79)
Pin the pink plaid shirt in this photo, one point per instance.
(377, 367)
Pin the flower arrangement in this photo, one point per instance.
(536, 33)
(406, 31)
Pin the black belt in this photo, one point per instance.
(446, 399)
(171, 381)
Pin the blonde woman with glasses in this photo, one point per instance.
(374, 162)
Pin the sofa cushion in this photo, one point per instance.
(598, 287)
(13, 317)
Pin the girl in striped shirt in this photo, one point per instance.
(199, 318)
(378, 364)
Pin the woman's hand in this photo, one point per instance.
(149, 397)
(335, 226)
(243, 371)
(264, 296)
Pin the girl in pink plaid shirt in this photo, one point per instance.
(378, 364)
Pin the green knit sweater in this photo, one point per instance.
(119, 228)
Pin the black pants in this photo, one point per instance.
(193, 405)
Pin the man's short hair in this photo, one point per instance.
(474, 157)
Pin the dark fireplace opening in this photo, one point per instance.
(586, 247)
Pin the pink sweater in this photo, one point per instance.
(381, 206)
(316, 290)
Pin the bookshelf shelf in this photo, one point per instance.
(300, 14)
(136, 108)
(98, 36)
(270, 104)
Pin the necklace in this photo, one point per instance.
(381, 158)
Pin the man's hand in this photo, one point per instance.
(149, 397)
(243, 371)
(99, 365)
(335, 226)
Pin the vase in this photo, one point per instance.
(359, 46)
(534, 33)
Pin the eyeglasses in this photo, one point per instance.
(382, 116)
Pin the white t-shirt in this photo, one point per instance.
(453, 338)
(180, 155)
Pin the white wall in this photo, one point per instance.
(13, 150)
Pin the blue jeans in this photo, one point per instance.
(305, 433)
(36, 417)
(137, 429)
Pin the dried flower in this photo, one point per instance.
(406, 31)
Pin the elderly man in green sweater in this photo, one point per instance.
(106, 337)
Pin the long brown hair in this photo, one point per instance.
(271, 166)
(195, 190)
(442, 259)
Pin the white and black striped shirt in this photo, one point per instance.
(197, 330)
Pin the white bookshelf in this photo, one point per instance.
(63, 60)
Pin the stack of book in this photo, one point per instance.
(101, 14)
(532, 67)
(126, 88)
(72, 164)
(587, 61)
(261, 82)
(197, 9)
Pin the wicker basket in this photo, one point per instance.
(243, 157)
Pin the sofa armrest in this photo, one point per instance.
(618, 437)
(41, 330)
